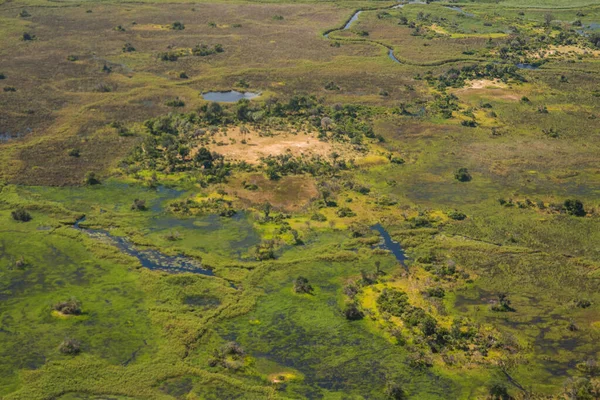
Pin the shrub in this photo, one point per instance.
(462, 175)
(331, 86)
(176, 102)
(301, 285)
(574, 207)
(318, 217)
(119, 28)
(436, 292)
(128, 48)
(583, 303)
(73, 153)
(177, 26)
(456, 215)
(345, 212)
(394, 391)
(168, 56)
(393, 301)
(69, 307)
(139, 205)
(21, 215)
(10, 89)
(91, 179)
(352, 313)
(278, 17)
(503, 304)
(72, 58)
(103, 88)
(24, 14)
(183, 75)
(499, 391)
(70, 346)
(28, 36)
(2, 76)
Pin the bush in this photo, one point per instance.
(74, 153)
(28, 36)
(394, 391)
(352, 313)
(128, 48)
(278, 17)
(574, 207)
(177, 26)
(69, 307)
(91, 179)
(103, 88)
(139, 205)
(393, 301)
(301, 285)
(72, 58)
(2, 76)
(24, 14)
(10, 89)
(331, 86)
(21, 215)
(503, 304)
(318, 217)
(70, 346)
(176, 102)
(463, 175)
(183, 75)
(436, 292)
(456, 215)
(345, 212)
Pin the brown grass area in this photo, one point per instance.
(289, 193)
(278, 142)
(57, 103)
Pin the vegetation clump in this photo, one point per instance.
(301, 285)
(231, 356)
(574, 207)
(463, 175)
(21, 215)
(70, 347)
(68, 307)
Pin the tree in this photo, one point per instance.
(463, 175)
(204, 158)
(352, 313)
(548, 18)
(574, 207)
(266, 209)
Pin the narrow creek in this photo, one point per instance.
(354, 18)
(149, 258)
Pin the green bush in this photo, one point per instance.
(21, 215)
(463, 175)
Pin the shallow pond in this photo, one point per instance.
(390, 244)
(526, 66)
(230, 96)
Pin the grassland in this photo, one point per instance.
(497, 299)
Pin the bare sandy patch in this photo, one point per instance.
(489, 88)
(231, 145)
